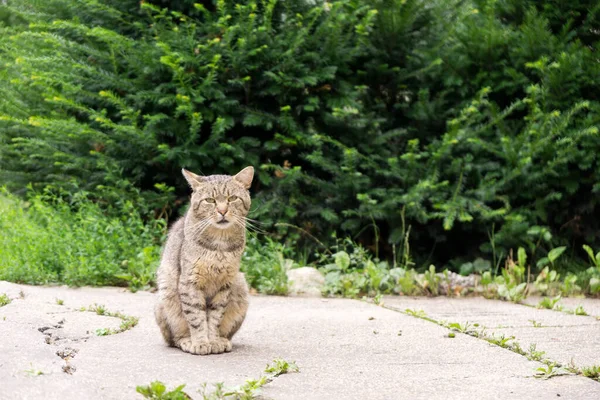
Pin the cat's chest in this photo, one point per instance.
(213, 269)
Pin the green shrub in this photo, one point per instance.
(362, 117)
(265, 266)
(47, 240)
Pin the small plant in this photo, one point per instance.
(594, 270)
(98, 309)
(486, 282)
(547, 282)
(127, 321)
(569, 285)
(4, 299)
(251, 388)
(579, 310)
(451, 335)
(547, 371)
(534, 354)
(478, 266)
(407, 281)
(501, 341)
(591, 372)
(416, 313)
(535, 323)
(549, 303)
(60, 302)
(378, 299)
(158, 391)
(552, 256)
(280, 367)
(33, 371)
(511, 285)
(104, 332)
(464, 328)
(430, 281)
(594, 258)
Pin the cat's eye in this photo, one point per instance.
(209, 200)
(232, 198)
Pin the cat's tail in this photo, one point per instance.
(161, 320)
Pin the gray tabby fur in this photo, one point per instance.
(203, 297)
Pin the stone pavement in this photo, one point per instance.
(345, 349)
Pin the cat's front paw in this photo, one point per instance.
(220, 345)
(189, 346)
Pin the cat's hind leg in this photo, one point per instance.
(161, 320)
(236, 308)
(171, 321)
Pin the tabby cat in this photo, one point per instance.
(203, 297)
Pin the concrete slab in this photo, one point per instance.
(565, 338)
(345, 350)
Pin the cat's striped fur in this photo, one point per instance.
(203, 297)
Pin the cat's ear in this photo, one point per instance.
(245, 177)
(194, 180)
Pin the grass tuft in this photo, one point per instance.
(47, 240)
(4, 299)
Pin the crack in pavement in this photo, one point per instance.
(502, 342)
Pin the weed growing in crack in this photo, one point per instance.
(535, 323)
(549, 303)
(98, 309)
(462, 328)
(127, 321)
(60, 302)
(416, 313)
(547, 371)
(501, 341)
(280, 367)
(550, 369)
(534, 354)
(591, 372)
(4, 299)
(249, 390)
(579, 311)
(33, 372)
(378, 299)
(158, 391)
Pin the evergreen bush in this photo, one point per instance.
(434, 124)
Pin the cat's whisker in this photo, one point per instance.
(254, 221)
(202, 221)
(249, 225)
(251, 231)
(247, 228)
(256, 209)
(200, 227)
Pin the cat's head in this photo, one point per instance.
(220, 200)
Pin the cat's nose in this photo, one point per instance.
(222, 211)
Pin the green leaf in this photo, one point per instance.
(486, 278)
(342, 260)
(522, 255)
(555, 253)
(595, 285)
(590, 252)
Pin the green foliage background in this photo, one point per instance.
(436, 123)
